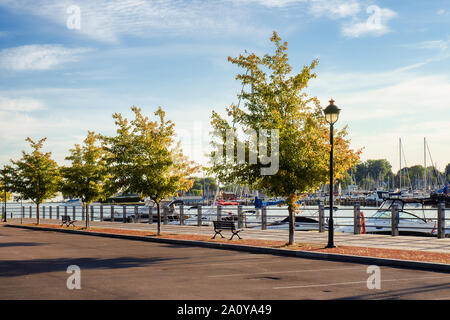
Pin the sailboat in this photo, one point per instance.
(208, 215)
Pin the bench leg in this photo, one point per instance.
(217, 232)
(235, 234)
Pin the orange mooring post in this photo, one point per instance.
(363, 223)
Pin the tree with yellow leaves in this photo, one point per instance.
(277, 104)
(35, 176)
(144, 158)
(85, 177)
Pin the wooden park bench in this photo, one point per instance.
(225, 225)
(65, 220)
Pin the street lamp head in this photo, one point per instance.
(332, 113)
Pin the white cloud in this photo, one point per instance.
(385, 144)
(108, 20)
(16, 127)
(37, 57)
(335, 9)
(267, 3)
(434, 44)
(375, 25)
(400, 92)
(381, 107)
(440, 12)
(21, 104)
(404, 99)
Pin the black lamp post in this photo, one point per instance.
(4, 212)
(331, 116)
(4, 194)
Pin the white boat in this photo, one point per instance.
(210, 214)
(377, 196)
(303, 222)
(251, 217)
(73, 203)
(409, 224)
(191, 215)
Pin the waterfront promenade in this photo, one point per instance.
(420, 244)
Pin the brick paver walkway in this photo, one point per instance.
(426, 244)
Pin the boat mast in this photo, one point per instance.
(425, 165)
(400, 144)
(433, 167)
(217, 193)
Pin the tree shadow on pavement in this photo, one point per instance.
(20, 244)
(401, 293)
(16, 268)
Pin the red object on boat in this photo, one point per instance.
(227, 203)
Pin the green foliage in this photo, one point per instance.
(447, 172)
(368, 183)
(86, 176)
(411, 174)
(144, 158)
(35, 176)
(2, 189)
(196, 192)
(375, 173)
(368, 172)
(412, 177)
(345, 180)
(5, 187)
(202, 185)
(278, 101)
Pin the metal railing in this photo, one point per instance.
(354, 219)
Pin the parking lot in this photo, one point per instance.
(33, 265)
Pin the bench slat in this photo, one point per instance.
(224, 225)
(66, 220)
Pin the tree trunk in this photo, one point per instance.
(87, 215)
(37, 214)
(159, 218)
(292, 205)
(291, 225)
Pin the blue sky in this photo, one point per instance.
(386, 63)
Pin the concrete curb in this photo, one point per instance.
(282, 252)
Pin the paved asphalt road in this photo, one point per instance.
(33, 265)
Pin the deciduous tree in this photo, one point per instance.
(5, 187)
(85, 177)
(278, 101)
(35, 176)
(144, 158)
